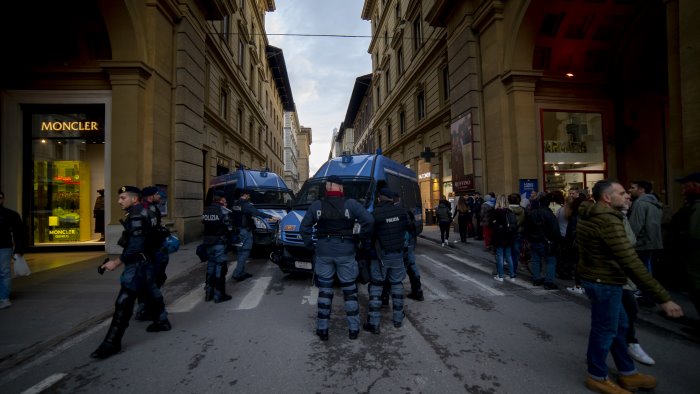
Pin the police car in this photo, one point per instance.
(363, 176)
(270, 194)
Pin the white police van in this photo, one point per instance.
(270, 194)
(363, 176)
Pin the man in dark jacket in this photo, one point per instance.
(12, 239)
(390, 230)
(607, 258)
(645, 219)
(218, 228)
(137, 278)
(243, 213)
(542, 230)
(335, 218)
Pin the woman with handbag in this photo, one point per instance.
(12, 238)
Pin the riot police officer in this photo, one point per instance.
(243, 212)
(391, 224)
(137, 278)
(149, 199)
(217, 228)
(335, 218)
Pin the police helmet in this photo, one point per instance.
(171, 244)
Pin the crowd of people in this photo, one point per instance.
(613, 242)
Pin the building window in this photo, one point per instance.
(379, 101)
(250, 132)
(388, 133)
(402, 122)
(387, 80)
(242, 4)
(445, 83)
(379, 140)
(399, 63)
(223, 103)
(397, 12)
(386, 38)
(225, 29)
(240, 120)
(420, 105)
(241, 52)
(417, 33)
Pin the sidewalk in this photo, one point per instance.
(477, 253)
(54, 304)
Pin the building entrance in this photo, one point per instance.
(64, 195)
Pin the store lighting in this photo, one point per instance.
(561, 162)
(557, 174)
(43, 141)
(569, 75)
(577, 162)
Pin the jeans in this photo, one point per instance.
(517, 246)
(608, 329)
(393, 270)
(5, 274)
(539, 254)
(505, 251)
(246, 239)
(444, 230)
(629, 302)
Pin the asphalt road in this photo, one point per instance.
(471, 334)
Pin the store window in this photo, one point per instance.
(67, 162)
(574, 154)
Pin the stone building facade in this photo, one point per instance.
(137, 92)
(537, 94)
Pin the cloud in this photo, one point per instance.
(322, 70)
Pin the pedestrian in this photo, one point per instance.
(645, 219)
(444, 217)
(98, 212)
(335, 218)
(486, 209)
(391, 224)
(243, 212)
(542, 231)
(504, 227)
(519, 211)
(160, 258)
(137, 277)
(463, 216)
(685, 237)
(409, 259)
(606, 260)
(13, 240)
(629, 300)
(218, 227)
(476, 210)
(570, 250)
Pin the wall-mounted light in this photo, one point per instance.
(569, 75)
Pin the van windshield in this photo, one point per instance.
(270, 198)
(314, 189)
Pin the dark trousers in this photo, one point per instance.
(462, 222)
(629, 302)
(444, 230)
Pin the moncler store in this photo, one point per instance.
(53, 165)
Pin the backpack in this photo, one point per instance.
(511, 223)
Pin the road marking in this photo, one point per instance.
(44, 384)
(255, 295)
(312, 298)
(432, 287)
(464, 277)
(187, 302)
(53, 352)
(468, 262)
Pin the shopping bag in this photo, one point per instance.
(21, 267)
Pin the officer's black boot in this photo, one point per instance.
(160, 325)
(209, 288)
(322, 334)
(416, 288)
(112, 343)
(142, 313)
(220, 291)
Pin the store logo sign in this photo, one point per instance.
(69, 126)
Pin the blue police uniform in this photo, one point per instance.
(335, 253)
(243, 212)
(136, 280)
(217, 228)
(391, 224)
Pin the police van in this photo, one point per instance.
(270, 194)
(363, 176)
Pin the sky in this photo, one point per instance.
(321, 70)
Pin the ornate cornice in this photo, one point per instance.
(487, 13)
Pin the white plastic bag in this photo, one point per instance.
(21, 267)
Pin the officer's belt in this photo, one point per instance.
(340, 236)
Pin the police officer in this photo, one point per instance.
(391, 224)
(243, 212)
(335, 218)
(137, 278)
(217, 228)
(150, 199)
(409, 260)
